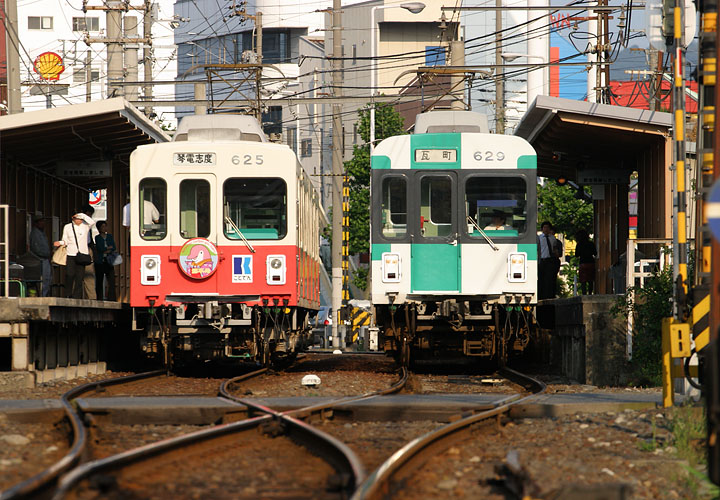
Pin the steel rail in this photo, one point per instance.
(336, 453)
(35, 485)
(417, 451)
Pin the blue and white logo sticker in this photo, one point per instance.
(242, 269)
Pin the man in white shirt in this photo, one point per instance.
(75, 238)
(547, 255)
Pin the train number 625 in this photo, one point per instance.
(489, 156)
(247, 160)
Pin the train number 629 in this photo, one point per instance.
(247, 159)
(489, 156)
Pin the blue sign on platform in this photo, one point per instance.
(712, 210)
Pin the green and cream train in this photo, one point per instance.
(453, 239)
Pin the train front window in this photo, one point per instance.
(194, 208)
(255, 207)
(153, 221)
(497, 204)
(435, 206)
(394, 207)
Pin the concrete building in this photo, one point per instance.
(62, 28)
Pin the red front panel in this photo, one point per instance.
(227, 279)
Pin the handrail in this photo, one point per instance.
(5, 256)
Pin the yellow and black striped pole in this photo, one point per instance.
(680, 235)
(345, 247)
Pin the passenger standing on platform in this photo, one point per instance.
(75, 238)
(40, 248)
(547, 255)
(105, 245)
(557, 256)
(586, 253)
(89, 277)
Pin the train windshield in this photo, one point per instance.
(496, 204)
(256, 207)
(394, 207)
(153, 193)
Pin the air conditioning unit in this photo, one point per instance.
(248, 57)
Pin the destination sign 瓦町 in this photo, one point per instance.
(435, 155)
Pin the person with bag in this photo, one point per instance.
(106, 250)
(75, 240)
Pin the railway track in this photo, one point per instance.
(395, 471)
(343, 470)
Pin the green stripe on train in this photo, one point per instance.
(527, 161)
(380, 162)
(378, 249)
(530, 249)
(435, 141)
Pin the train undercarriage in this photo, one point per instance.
(226, 333)
(452, 328)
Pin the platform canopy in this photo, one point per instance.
(569, 135)
(100, 130)
(609, 148)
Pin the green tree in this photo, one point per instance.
(388, 123)
(559, 205)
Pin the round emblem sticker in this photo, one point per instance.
(198, 258)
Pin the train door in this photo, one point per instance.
(198, 256)
(435, 252)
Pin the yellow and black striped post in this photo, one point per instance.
(345, 247)
(680, 235)
(359, 318)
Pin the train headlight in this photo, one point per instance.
(150, 270)
(517, 267)
(390, 267)
(276, 269)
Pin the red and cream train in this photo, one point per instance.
(224, 244)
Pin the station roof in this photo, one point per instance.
(569, 134)
(99, 130)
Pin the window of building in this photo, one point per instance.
(86, 23)
(255, 207)
(272, 120)
(40, 23)
(194, 208)
(354, 54)
(355, 133)
(291, 138)
(434, 56)
(276, 45)
(79, 75)
(153, 193)
(306, 148)
(394, 207)
(498, 204)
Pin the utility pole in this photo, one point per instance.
(653, 63)
(88, 76)
(115, 73)
(337, 169)
(13, 58)
(147, 56)
(131, 57)
(499, 73)
(258, 73)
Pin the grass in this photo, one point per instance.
(687, 423)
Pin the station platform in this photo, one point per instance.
(49, 338)
(169, 410)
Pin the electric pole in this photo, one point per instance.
(131, 57)
(115, 73)
(337, 169)
(13, 58)
(499, 73)
(147, 56)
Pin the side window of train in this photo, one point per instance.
(194, 208)
(497, 204)
(153, 214)
(255, 208)
(394, 207)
